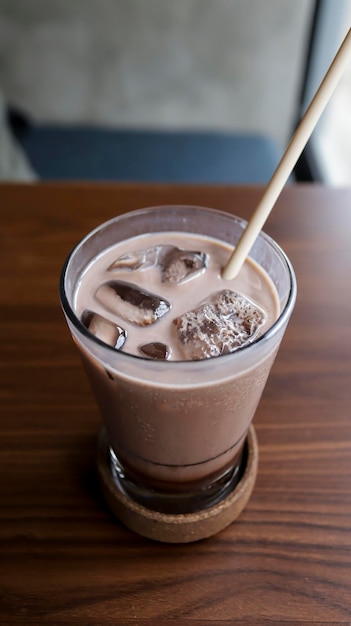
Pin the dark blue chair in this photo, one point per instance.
(69, 153)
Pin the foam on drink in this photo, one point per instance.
(166, 289)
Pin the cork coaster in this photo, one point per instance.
(178, 528)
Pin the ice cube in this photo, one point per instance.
(221, 324)
(138, 306)
(176, 265)
(155, 350)
(137, 260)
(104, 329)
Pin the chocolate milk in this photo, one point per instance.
(174, 423)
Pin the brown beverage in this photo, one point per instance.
(177, 357)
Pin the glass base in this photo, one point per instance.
(196, 499)
(173, 528)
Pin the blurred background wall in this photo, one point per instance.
(214, 64)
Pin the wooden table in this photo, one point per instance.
(64, 559)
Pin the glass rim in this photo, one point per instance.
(271, 331)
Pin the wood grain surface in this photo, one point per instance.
(64, 559)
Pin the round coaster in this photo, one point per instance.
(178, 528)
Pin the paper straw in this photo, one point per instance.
(289, 159)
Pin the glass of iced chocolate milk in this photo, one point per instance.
(177, 357)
